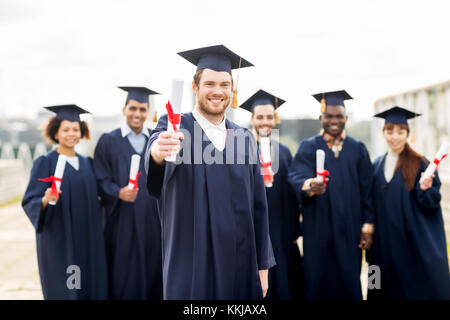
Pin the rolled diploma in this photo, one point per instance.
(59, 171)
(320, 160)
(265, 152)
(175, 102)
(432, 166)
(134, 168)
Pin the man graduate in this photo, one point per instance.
(215, 230)
(133, 230)
(337, 213)
(286, 278)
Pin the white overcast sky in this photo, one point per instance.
(58, 51)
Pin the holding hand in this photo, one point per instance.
(366, 241)
(317, 187)
(128, 195)
(167, 144)
(426, 183)
(48, 197)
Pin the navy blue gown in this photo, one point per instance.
(410, 246)
(133, 229)
(68, 233)
(286, 278)
(332, 221)
(214, 218)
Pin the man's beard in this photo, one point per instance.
(215, 112)
(264, 133)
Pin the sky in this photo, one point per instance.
(60, 52)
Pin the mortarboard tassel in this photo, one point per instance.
(413, 131)
(234, 103)
(277, 118)
(413, 135)
(155, 119)
(323, 105)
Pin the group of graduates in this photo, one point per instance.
(221, 230)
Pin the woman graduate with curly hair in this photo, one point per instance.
(69, 236)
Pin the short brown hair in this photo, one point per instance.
(198, 76)
(52, 127)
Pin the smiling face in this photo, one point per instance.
(213, 92)
(333, 120)
(263, 119)
(135, 113)
(396, 136)
(68, 134)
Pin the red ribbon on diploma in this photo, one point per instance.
(324, 174)
(135, 181)
(437, 162)
(267, 173)
(174, 118)
(53, 180)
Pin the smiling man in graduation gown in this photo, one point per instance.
(338, 214)
(133, 230)
(286, 278)
(216, 242)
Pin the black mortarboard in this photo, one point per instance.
(69, 112)
(140, 94)
(217, 58)
(261, 97)
(332, 98)
(397, 115)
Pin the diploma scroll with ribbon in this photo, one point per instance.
(433, 166)
(134, 172)
(174, 111)
(320, 171)
(266, 161)
(56, 179)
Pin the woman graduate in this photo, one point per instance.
(410, 246)
(69, 237)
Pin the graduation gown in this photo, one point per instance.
(410, 246)
(286, 278)
(133, 229)
(332, 221)
(68, 233)
(214, 218)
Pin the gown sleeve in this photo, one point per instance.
(302, 169)
(365, 177)
(32, 199)
(430, 199)
(293, 204)
(155, 172)
(108, 189)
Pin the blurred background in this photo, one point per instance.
(383, 53)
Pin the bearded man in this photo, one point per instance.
(215, 232)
